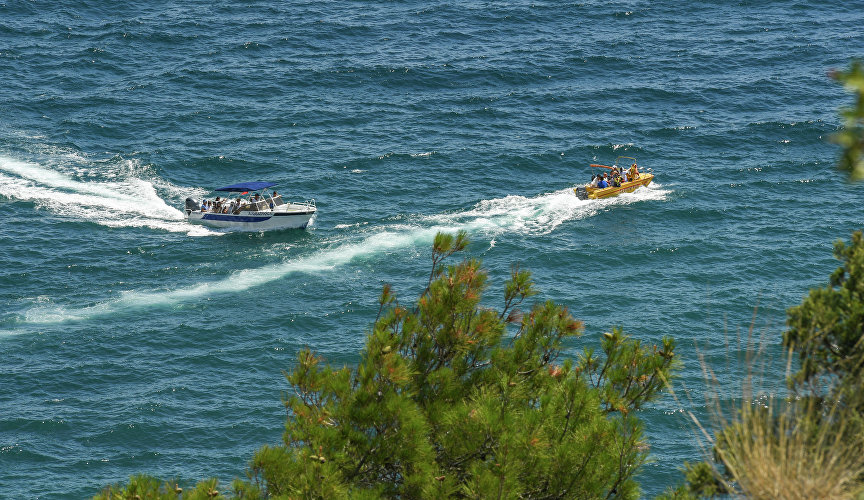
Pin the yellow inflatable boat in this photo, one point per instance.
(592, 193)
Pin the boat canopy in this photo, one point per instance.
(247, 186)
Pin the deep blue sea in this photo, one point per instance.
(132, 341)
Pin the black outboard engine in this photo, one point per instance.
(581, 193)
(191, 205)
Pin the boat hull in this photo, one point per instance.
(589, 193)
(253, 221)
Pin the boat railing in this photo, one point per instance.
(308, 203)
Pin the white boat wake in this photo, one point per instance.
(539, 214)
(128, 201)
(237, 282)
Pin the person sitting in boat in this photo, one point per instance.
(256, 202)
(603, 183)
(593, 182)
(616, 180)
(203, 205)
(634, 172)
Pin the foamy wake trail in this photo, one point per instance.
(512, 214)
(539, 214)
(238, 281)
(128, 202)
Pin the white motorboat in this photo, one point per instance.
(256, 213)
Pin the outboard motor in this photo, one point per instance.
(581, 193)
(191, 205)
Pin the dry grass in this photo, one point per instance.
(771, 447)
(787, 456)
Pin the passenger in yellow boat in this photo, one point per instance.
(594, 180)
(616, 181)
(634, 172)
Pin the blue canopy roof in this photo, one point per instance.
(247, 186)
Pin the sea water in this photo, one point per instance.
(132, 341)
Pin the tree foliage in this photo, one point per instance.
(144, 487)
(851, 136)
(827, 331)
(454, 399)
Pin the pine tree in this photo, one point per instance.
(454, 399)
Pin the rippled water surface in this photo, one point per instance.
(135, 342)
